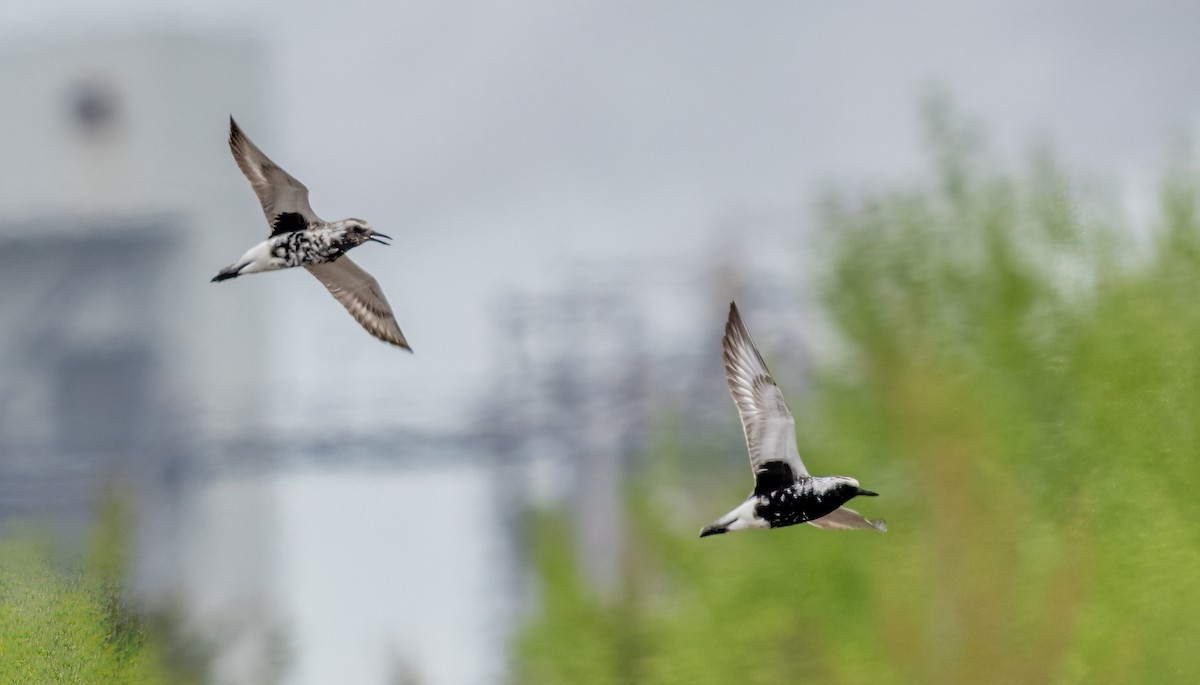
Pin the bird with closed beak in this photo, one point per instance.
(784, 492)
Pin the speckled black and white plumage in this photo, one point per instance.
(300, 238)
(784, 492)
(315, 245)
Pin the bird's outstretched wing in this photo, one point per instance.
(360, 294)
(769, 426)
(284, 199)
(848, 519)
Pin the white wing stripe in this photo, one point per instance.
(769, 427)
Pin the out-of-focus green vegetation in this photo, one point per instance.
(70, 623)
(1019, 375)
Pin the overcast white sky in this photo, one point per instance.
(498, 142)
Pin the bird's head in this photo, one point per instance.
(355, 232)
(849, 488)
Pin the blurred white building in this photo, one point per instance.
(120, 364)
(117, 202)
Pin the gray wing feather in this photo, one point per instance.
(361, 295)
(848, 519)
(769, 426)
(278, 191)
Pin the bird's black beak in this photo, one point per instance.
(713, 530)
(376, 237)
(866, 493)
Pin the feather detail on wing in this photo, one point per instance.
(769, 427)
(278, 191)
(361, 295)
(848, 519)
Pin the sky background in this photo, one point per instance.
(503, 144)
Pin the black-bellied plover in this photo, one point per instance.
(300, 238)
(784, 493)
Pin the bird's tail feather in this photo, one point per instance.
(231, 271)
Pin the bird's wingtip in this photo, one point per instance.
(235, 132)
(880, 525)
(734, 323)
(396, 341)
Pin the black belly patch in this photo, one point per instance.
(795, 504)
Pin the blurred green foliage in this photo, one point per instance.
(1018, 373)
(67, 623)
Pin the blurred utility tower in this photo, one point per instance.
(572, 396)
